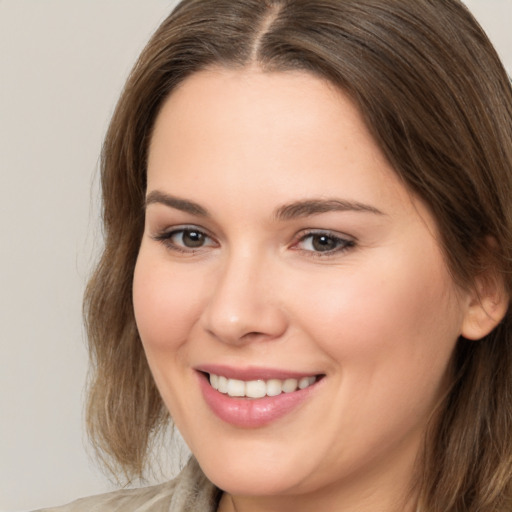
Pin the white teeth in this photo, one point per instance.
(236, 387)
(274, 387)
(255, 388)
(290, 385)
(222, 384)
(258, 388)
(305, 382)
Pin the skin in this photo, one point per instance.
(378, 315)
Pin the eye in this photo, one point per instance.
(324, 242)
(190, 238)
(186, 239)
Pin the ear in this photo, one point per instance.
(488, 302)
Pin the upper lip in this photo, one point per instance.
(248, 373)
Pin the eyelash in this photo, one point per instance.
(166, 237)
(341, 244)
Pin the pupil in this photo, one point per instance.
(323, 243)
(193, 239)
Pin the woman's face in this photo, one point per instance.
(282, 252)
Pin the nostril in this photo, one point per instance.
(252, 335)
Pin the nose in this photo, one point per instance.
(244, 304)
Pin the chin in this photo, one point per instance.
(252, 480)
(256, 470)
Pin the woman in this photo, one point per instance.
(307, 261)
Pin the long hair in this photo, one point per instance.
(438, 102)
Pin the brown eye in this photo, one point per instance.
(324, 242)
(191, 239)
(186, 239)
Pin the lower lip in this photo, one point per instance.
(255, 412)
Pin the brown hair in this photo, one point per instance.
(438, 102)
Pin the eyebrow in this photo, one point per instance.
(294, 210)
(158, 197)
(309, 207)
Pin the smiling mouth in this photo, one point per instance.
(259, 388)
(252, 397)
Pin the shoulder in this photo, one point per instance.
(129, 500)
(190, 491)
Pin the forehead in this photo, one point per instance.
(251, 104)
(284, 135)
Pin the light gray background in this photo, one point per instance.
(62, 66)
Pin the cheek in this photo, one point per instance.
(394, 320)
(390, 330)
(166, 303)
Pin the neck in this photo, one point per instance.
(385, 491)
(231, 503)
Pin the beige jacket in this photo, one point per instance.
(191, 491)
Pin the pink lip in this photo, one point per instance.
(251, 372)
(247, 412)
